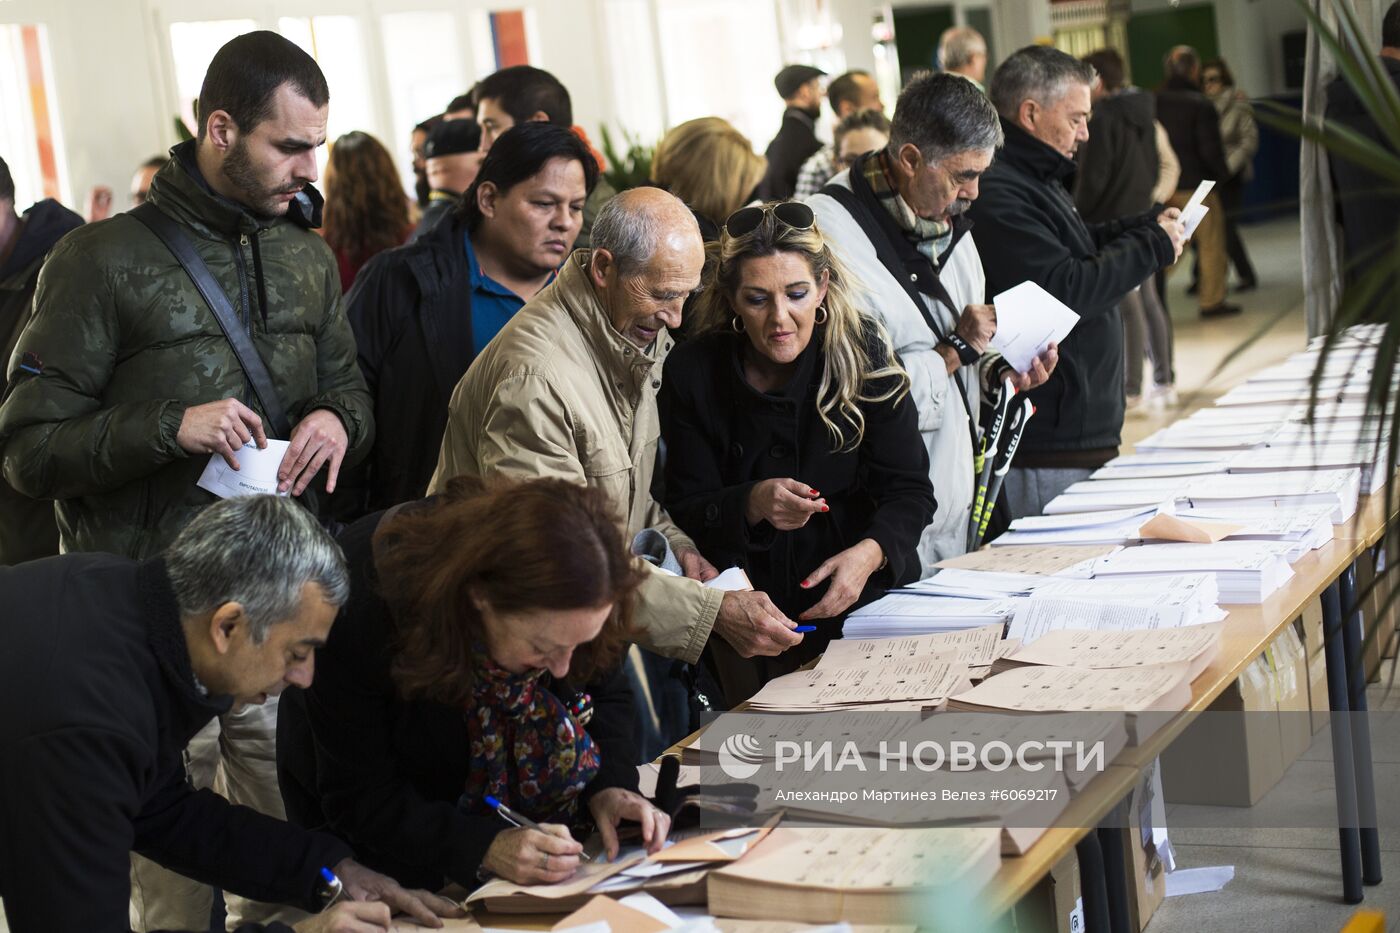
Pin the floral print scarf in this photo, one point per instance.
(528, 750)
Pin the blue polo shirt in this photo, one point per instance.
(492, 303)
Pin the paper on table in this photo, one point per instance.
(256, 475)
(975, 647)
(1097, 650)
(1028, 320)
(1045, 561)
(813, 689)
(1171, 528)
(588, 874)
(637, 913)
(1064, 689)
(722, 846)
(1039, 617)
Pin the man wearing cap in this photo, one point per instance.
(800, 86)
(451, 159)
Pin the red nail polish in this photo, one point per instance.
(815, 494)
(805, 583)
(826, 508)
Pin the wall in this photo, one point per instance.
(1250, 35)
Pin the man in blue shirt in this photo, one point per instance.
(422, 312)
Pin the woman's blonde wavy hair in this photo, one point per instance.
(860, 365)
(709, 165)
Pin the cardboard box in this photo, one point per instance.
(1290, 671)
(1147, 873)
(1366, 592)
(1056, 904)
(1229, 760)
(1383, 610)
(1309, 628)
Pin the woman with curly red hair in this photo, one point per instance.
(366, 210)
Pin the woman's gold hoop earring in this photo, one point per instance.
(737, 324)
(822, 314)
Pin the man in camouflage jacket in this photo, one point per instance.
(123, 384)
(123, 351)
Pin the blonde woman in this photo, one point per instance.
(710, 166)
(793, 448)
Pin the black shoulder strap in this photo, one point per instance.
(254, 368)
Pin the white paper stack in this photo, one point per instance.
(1306, 528)
(1127, 604)
(1116, 526)
(915, 614)
(1336, 489)
(1245, 571)
(977, 584)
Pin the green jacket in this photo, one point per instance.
(121, 344)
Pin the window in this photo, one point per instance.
(192, 47)
(335, 43)
(423, 60)
(29, 129)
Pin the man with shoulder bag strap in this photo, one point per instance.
(138, 366)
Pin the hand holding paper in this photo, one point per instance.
(1029, 319)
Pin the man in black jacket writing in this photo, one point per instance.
(109, 667)
(1028, 229)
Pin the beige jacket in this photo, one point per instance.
(560, 393)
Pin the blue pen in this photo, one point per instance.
(802, 629)
(515, 819)
(331, 889)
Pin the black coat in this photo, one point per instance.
(97, 703)
(386, 773)
(1369, 205)
(1028, 229)
(1193, 125)
(795, 143)
(723, 436)
(27, 526)
(411, 311)
(1118, 165)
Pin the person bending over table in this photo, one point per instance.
(454, 674)
(793, 449)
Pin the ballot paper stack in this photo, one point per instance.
(1036, 689)
(825, 874)
(1338, 490)
(908, 685)
(1195, 647)
(1245, 571)
(1149, 602)
(906, 613)
(976, 649)
(1305, 528)
(1113, 526)
(977, 584)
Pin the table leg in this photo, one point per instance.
(1115, 873)
(1092, 884)
(1343, 760)
(1353, 639)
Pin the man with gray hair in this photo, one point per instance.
(109, 668)
(567, 389)
(963, 51)
(897, 219)
(1033, 232)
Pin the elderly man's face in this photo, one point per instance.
(940, 190)
(647, 299)
(1062, 125)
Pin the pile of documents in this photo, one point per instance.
(1163, 688)
(1336, 489)
(1244, 571)
(1165, 601)
(911, 685)
(821, 875)
(1195, 646)
(907, 613)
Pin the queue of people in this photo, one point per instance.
(437, 611)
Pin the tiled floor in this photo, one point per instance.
(1286, 880)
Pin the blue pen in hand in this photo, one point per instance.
(803, 629)
(524, 822)
(331, 888)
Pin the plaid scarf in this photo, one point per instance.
(930, 237)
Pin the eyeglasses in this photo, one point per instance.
(794, 214)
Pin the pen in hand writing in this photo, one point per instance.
(524, 822)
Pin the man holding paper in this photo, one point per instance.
(126, 380)
(1029, 231)
(897, 218)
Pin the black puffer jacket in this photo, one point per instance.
(1118, 165)
(1193, 125)
(1028, 229)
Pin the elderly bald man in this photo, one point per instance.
(568, 389)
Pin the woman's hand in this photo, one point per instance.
(613, 804)
(848, 572)
(785, 503)
(546, 855)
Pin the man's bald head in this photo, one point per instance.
(647, 258)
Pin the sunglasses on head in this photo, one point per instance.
(794, 214)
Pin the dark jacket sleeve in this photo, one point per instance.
(59, 437)
(895, 465)
(1022, 243)
(363, 796)
(374, 308)
(611, 730)
(341, 388)
(1209, 145)
(1105, 233)
(713, 514)
(72, 813)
